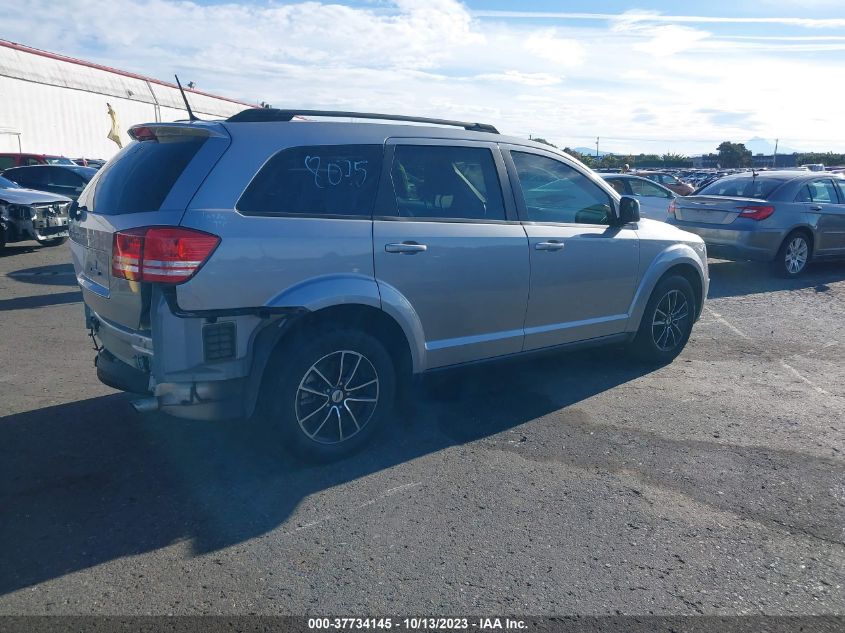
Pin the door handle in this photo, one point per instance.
(816, 207)
(549, 246)
(406, 247)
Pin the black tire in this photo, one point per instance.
(2, 240)
(293, 406)
(789, 262)
(55, 241)
(656, 341)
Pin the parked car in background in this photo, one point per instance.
(61, 179)
(308, 271)
(96, 163)
(12, 159)
(31, 215)
(654, 198)
(788, 218)
(668, 180)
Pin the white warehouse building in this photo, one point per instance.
(53, 104)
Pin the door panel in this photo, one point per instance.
(583, 290)
(830, 231)
(583, 269)
(446, 238)
(469, 286)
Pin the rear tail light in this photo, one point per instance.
(672, 207)
(756, 211)
(169, 255)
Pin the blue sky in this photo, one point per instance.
(644, 76)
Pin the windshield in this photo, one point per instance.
(58, 160)
(5, 183)
(742, 187)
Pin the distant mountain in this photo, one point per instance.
(759, 145)
(590, 151)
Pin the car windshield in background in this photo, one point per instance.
(5, 183)
(58, 160)
(744, 187)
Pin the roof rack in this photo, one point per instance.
(255, 115)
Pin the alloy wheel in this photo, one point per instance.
(671, 313)
(796, 255)
(337, 397)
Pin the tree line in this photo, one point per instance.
(728, 154)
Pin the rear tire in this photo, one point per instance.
(329, 392)
(793, 255)
(667, 321)
(55, 241)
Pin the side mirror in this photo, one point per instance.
(629, 210)
(74, 211)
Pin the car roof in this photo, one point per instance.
(780, 174)
(76, 168)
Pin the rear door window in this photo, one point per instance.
(841, 185)
(645, 188)
(324, 180)
(619, 185)
(446, 182)
(141, 175)
(823, 191)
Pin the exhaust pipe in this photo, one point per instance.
(145, 405)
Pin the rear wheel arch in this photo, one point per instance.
(364, 318)
(807, 232)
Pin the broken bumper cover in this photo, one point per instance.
(208, 400)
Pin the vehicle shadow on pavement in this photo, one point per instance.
(40, 301)
(91, 481)
(733, 279)
(51, 275)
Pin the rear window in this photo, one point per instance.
(331, 180)
(743, 187)
(141, 175)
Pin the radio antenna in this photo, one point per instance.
(191, 115)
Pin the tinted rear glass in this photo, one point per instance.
(446, 182)
(316, 180)
(141, 175)
(743, 187)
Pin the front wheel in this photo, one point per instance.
(667, 322)
(793, 255)
(330, 393)
(54, 241)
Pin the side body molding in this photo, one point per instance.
(670, 256)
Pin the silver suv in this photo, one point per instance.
(306, 270)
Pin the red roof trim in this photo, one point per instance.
(72, 60)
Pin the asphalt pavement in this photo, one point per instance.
(579, 483)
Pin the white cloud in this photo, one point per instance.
(526, 79)
(638, 80)
(563, 51)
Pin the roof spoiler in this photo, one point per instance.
(257, 115)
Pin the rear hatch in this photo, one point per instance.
(712, 209)
(148, 183)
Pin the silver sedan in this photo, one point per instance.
(789, 218)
